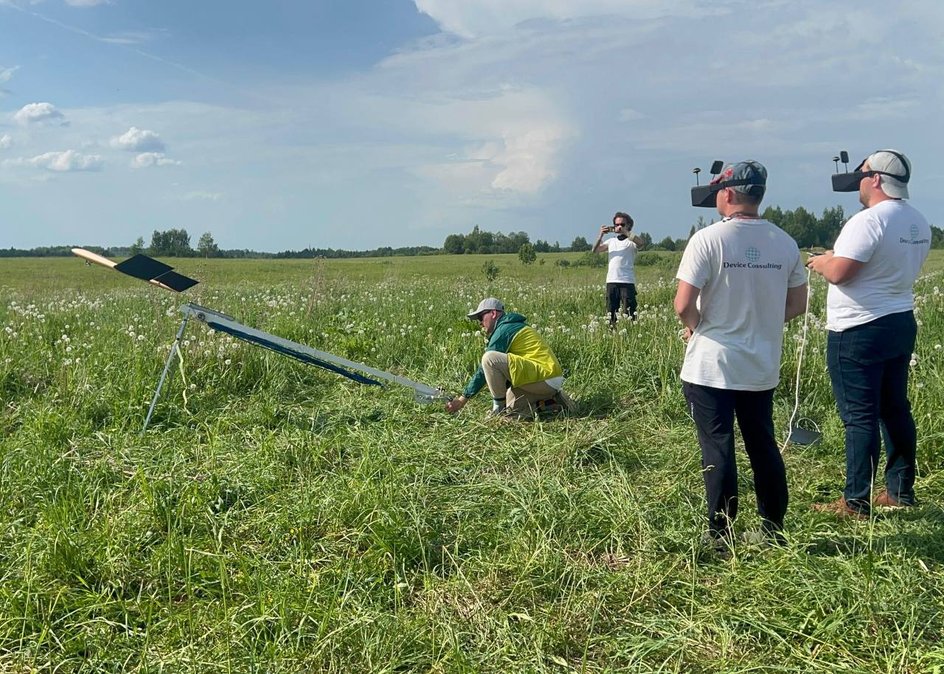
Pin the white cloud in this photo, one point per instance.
(6, 73)
(203, 196)
(477, 144)
(528, 160)
(35, 113)
(630, 115)
(68, 161)
(6, 141)
(127, 38)
(138, 140)
(86, 3)
(521, 162)
(149, 159)
(475, 18)
(884, 109)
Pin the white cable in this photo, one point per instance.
(805, 334)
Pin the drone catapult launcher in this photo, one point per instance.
(163, 276)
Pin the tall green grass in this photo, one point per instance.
(278, 518)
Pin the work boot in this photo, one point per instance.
(886, 500)
(840, 509)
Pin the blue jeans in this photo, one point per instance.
(868, 367)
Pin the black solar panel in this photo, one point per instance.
(147, 268)
(176, 281)
(143, 267)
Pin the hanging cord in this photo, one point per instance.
(183, 375)
(805, 336)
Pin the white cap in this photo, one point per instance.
(895, 170)
(488, 304)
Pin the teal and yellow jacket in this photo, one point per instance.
(530, 359)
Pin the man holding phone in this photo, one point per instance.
(621, 274)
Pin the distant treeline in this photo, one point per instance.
(384, 251)
(128, 251)
(807, 229)
(119, 251)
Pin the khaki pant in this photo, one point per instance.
(520, 400)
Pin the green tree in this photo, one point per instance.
(516, 240)
(478, 241)
(580, 244)
(668, 243)
(774, 214)
(700, 224)
(803, 227)
(172, 243)
(526, 254)
(454, 244)
(937, 237)
(490, 269)
(207, 246)
(829, 226)
(137, 246)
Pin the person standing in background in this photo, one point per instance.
(621, 272)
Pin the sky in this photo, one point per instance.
(356, 124)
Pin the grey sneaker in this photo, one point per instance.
(719, 545)
(505, 414)
(763, 536)
(566, 402)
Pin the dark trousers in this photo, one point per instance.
(868, 367)
(621, 295)
(714, 411)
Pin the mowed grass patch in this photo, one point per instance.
(277, 517)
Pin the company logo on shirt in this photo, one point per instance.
(915, 233)
(752, 255)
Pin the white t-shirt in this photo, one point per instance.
(893, 239)
(622, 258)
(743, 268)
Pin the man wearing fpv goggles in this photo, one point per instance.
(739, 281)
(872, 330)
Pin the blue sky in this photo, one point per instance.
(356, 124)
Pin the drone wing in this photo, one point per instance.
(142, 267)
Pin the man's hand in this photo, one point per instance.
(818, 261)
(456, 404)
(835, 268)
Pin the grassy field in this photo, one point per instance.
(276, 517)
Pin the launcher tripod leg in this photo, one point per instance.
(174, 348)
